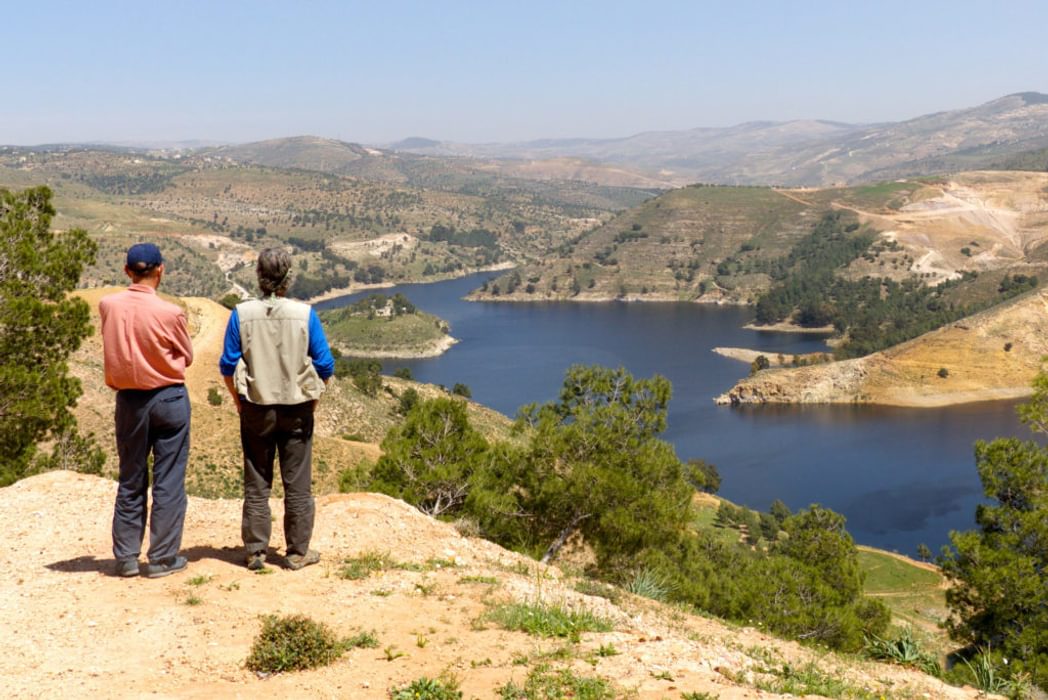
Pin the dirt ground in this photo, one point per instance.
(70, 628)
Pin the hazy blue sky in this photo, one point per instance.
(497, 71)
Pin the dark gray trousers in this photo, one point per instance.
(154, 421)
(265, 432)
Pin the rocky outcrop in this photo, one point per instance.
(835, 382)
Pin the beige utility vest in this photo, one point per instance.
(275, 367)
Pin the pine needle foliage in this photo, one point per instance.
(40, 326)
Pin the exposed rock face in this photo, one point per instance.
(991, 355)
(836, 382)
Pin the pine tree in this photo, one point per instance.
(594, 465)
(40, 326)
(999, 572)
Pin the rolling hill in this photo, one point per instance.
(714, 244)
(803, 153)
(211, 212)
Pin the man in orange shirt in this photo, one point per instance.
(146, 351)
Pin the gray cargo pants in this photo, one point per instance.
(265, 432)
(157, 421)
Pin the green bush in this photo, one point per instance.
(355, 477)
(41, 324)
(408, 400)
(366, 374)
(999, 571)
(594, 464)
(214, 396)
(429, 459)
(293, 643)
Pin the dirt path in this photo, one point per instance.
(789, 195)
(208, 323)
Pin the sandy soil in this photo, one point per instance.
(787, 327)
(69, 628)
(998, 216)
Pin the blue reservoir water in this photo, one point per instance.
(901, 476)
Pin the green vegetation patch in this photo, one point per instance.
(809, 679)
(444, 688)
(546, 682)
(914, 594)
(547, 619)
(904, 650)
(364, 564)
(888, 574)
(293, 643)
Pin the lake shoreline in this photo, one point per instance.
(430, 350)
(359, 287)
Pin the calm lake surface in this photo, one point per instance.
(901, 476)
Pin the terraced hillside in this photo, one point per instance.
(213, 213)
(567, 180)
(714, 244)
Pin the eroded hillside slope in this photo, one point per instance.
(68, 628)
(991, 355)
(717, 244)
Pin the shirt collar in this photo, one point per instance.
(141, 288)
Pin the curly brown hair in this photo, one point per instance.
(273, 270)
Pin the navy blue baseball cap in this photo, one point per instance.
(143, 256)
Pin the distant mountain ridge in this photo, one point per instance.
(802, 152)
(405, 165)
(799, 153)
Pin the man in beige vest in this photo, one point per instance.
(276, 363)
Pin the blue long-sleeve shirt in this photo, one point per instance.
(319, 352)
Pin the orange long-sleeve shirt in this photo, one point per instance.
(145, 340)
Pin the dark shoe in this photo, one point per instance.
(165, 567)
(256, 561)
(127, 567)
(297, 561)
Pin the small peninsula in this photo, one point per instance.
(379, 326)
(991, 355)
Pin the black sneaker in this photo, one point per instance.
(298, 561)
(165, 567)
(127, 567)
(256, 561)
